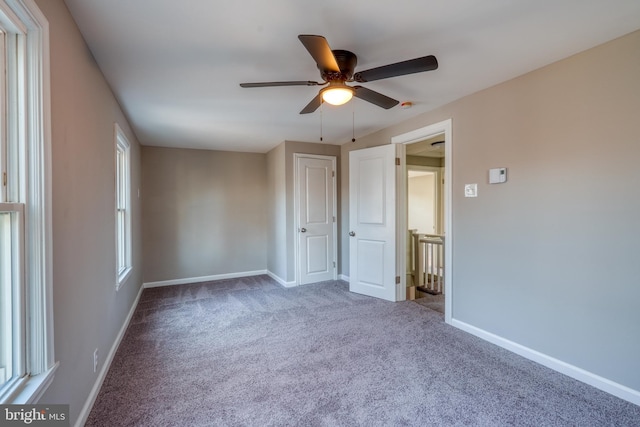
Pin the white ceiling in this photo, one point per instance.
(175, 66)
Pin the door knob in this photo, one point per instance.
(352, 233)
(303, 230)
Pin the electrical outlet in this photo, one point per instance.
(95, 360)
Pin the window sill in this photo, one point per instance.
(122, 278)
(31, 390)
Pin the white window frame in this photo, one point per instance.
(27, 162)
(123, 207)
(3, 119)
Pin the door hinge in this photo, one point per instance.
(4, 179)
(333, 174)
(397, 161)
(334, 264)
(334, 219)
(397, 280)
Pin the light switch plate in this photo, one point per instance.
(471, 190)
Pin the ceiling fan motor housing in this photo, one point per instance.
(347, 62)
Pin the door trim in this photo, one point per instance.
(443, 127)
(296, 212)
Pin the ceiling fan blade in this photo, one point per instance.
(374, 97)
(313, 105)
(319, 49)
(417, 65)
(270, 84)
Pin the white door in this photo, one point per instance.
(372, 222)
(316, 218)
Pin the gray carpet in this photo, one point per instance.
(434, 302)
(247, 352)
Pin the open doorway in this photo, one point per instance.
(425, 164)
(423, 147)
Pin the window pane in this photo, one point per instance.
(119, 183)
(3, 120)
(6, 297)
(121, 240)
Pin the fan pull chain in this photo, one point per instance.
(353, 126)
(321, 120)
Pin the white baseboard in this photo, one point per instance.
(86, 409)
(281, 281)
(203, 278)
(343, 277)
(604, 384)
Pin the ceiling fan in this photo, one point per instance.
(337, 67)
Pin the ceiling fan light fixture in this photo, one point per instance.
(337, 94)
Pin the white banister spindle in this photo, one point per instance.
(430, 263)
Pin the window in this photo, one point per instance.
(26, 329)
(123, 208)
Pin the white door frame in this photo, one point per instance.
(416, 135)
(296, 212)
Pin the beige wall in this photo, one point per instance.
(549, 259)
(425, 161)
(421, 203)
(88, 311)
(204, 213)
(277, 212)
(208, 213)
